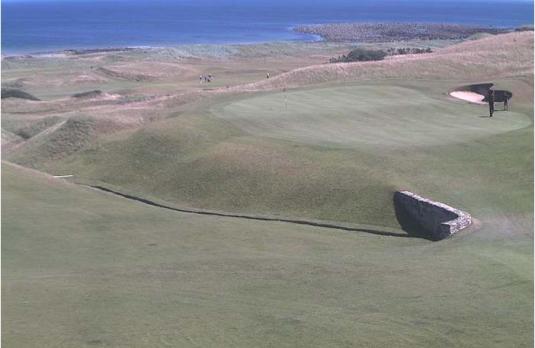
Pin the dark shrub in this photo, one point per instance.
(360, 55)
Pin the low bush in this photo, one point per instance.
(360, 55)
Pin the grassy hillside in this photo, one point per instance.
(324, 142)
(333, 153)
(83, 268)
(499, 56)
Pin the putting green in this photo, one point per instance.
(373, 115)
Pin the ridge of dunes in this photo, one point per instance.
(500, 56)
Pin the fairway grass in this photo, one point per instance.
(83, 268)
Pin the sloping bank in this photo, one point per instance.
(432, 220)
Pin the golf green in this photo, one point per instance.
(372, 115)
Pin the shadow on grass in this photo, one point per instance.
(409, 225)
(251, 217)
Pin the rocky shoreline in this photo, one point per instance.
(389, 32)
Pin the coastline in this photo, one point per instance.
(133, 48)
(339, 32)
(38, 28)
(372, 32)
(44, 52)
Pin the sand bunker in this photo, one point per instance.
(471, 97)
(477, 93)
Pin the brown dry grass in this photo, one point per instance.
(500, 56)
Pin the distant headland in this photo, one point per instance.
(387, 32)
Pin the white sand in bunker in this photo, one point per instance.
(471, 97)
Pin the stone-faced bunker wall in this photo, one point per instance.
(437, 219)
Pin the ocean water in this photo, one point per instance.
(30, 26)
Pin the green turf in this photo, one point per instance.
(280, 162)
(82, 268)
(67, 137)
(27, 130)
(380, 116)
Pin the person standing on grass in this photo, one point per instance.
(490, 99)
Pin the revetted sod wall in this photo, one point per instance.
(437, 219)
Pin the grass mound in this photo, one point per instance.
(17, 93)
(57, 142)
(500, 56)
(8, 137)
(121, 75)
(37, 127)
(89, 94)
(14, 83)
(478, 36)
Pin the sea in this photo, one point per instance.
(40, 26)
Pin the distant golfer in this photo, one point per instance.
(267, 76)
(490, 98)
(505, 102)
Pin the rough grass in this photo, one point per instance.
(102, 270)
(17, 93)
(9, 137)
(479, 36)
(29, 130)
(500, 56)
(89, 94)
(56, 142)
